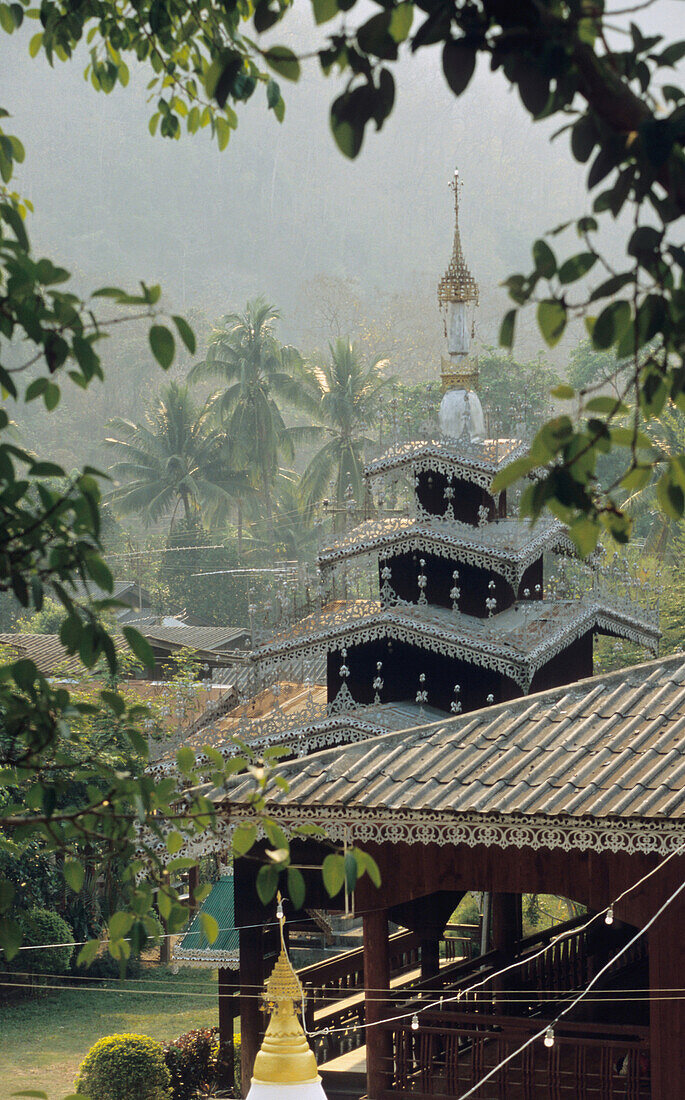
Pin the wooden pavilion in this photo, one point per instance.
(463, 744)
(577, 791)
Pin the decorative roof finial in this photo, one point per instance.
(457, 284)
(285, 1062)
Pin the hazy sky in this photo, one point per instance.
(281, 205)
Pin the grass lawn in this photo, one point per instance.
(43, 1041)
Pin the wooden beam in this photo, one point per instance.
(251, 979)
(667, 1011)
(228, 984)
(376, 978)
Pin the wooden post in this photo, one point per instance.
(193, 882)
(430, 952)
(376, 979)
(666, 1015)
(165, 945)
(228, 983)
(506, 923)
(251, 979)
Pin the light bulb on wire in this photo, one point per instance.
(549, 1037)
(415, 1022)
(609, 918)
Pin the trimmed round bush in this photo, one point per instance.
(44, 926)
(124, 1067)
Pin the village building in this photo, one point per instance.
(464, 742)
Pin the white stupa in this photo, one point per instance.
(285, 1067)
(460, 415)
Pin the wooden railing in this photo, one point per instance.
(441, 1060)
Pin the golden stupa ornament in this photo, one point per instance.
(458, 299)
(285, 1065)
(457, 284)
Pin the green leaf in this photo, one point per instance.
(119, 925)
(163, 345)
(100, 572)
(87, 953)
(545, 261)
(333, 873)
(458, 64)
(210, 926)
(371, 868)
(6, 895)
(243, 838)
(164, 905)
(73, 874)
(606, 405)
(13, 219)
(185, 332)
(563, 392)
(611, 324)
(283, 61)
(140, 646)
(551, 320)
(10, 937)
(32, 1092)
(267, 882)
(506, 332)
(401, 19)
(185, 758)
(51, 395)
(517, 469)
(324, 10)
(577, 266)
(174, 841)
(585, 533)
(35, 44)
(296, 887)
(670, 496)
(350, 865)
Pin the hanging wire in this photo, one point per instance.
(564, 1012)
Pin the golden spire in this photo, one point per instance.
(457, 284)
(285, 1057)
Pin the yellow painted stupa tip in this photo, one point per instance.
(285, 1057)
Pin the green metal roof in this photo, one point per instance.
(194, 949)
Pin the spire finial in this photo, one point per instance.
(457, 284)
(285, 1056)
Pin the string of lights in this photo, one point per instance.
(571, 996)
(548, 1030)
(607, 913)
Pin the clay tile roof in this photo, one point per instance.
(612, 746)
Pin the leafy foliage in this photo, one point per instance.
(193, 1061)
(176, 458)
(41, 926)
(255, 370)
(124, 1067)
(349, 395)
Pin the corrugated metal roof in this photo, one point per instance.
(194, 948)
(47, 653)
(208, 638)
(610, 746)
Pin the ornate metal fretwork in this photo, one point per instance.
(516, 643)
(457, 284)
(535, 831)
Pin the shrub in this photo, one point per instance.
(124, 1067)
(43, 926)
(195, 1061)
(104, 966)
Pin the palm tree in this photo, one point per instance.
(175, 458)
(256, 371)
(349, 397)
